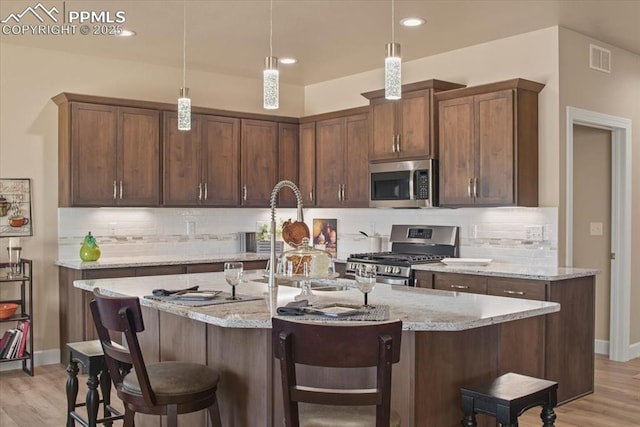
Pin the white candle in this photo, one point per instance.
(14, 242)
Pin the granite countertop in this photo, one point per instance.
(519, 271)
(419, 309)
(145, 261)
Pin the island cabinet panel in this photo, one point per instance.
(201, 165)
(424, 279)
(127, 142)
(342, 166)
(288, 155)
(307, 164)
(488, 139)
(244, 359)
(259, 161)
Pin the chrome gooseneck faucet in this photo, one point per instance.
(274, 196)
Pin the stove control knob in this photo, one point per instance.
(388, 269)
(396, 270)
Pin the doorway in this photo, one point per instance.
(620, 208)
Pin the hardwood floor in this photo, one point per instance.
(41, 401)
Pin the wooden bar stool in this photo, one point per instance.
(507, 397)
(90, 355)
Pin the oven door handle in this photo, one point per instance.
(382, 279)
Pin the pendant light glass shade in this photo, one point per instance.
(184, 109)
(271, 82)
(393, 72)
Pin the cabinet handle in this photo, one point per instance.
(475, 187)
(120, 190)
(339, 192)
(244, 193)
(115, 190)
(508, 292)
(343, 193)
(398, 149)
(393, 143)
(459, 286)
(200, 191)
(469, 187)
(206, 191)
(311, 195)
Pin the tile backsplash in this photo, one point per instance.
(516, 235)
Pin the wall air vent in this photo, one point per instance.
(599, 58)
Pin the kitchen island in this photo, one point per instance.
(450, 339)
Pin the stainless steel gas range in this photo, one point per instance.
(410, 245)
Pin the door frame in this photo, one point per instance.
(620, 128)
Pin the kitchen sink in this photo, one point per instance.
(316, 285)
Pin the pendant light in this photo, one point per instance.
(270, 75)
(392, 65)
(184, 101)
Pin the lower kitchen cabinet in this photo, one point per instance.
(569, 334)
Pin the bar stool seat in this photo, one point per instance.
(91, 356)
(507, 397)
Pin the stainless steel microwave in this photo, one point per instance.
(403, 184)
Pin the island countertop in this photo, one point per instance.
(419, 309)
(518, 271)
(153, 260)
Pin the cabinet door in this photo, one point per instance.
(220, 161)
(287, 161)
(457, 151)
(259, 159)
(356, 165)
(138, 148)
(460, 283)
(384, 115)
(415, 127)
(307, 164)
(517, 288)
(182, 162)
(93, 154)
(495, 153)
(330, 151)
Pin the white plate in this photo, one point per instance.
(467, 261)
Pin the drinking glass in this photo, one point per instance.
(233, 276)
(366, 280)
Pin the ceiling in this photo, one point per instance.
(330, 38)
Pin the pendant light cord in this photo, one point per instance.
(393, 32)
(184, 43)
(271, 28)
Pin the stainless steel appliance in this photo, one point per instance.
(403, 184)
(410, 245)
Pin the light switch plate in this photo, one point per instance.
(534, 233)
(595, 228)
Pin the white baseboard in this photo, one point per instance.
(43, 357)
(634, 350)
(602, 347)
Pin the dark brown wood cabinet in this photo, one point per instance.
(307, 163)
(108, 155)
(488, 139)
(288, 154)
(405, 129)
(568, 334)
(259, 161)
(342, 165)
(201, 165)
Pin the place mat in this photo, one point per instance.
(220, 299)
(370, 313)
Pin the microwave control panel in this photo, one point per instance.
(422, 184)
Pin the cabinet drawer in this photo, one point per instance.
(518, 288)
(460, 283)
(159, 270)
(424, 279)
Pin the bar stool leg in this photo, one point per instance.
(548, 416)
(105, 388)
(469, 421)
(72, 390)
(93, 400)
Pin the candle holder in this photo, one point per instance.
(14, 253)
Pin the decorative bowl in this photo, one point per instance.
(7, 310)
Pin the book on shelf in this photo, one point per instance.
(3, 342)
(24, 326)
(11, 353)
(7, 345)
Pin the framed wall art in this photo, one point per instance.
(325, 234)
(15, 207)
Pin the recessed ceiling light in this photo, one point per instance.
(126, 33)
(288, 61)
(412, 22)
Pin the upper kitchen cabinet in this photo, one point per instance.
(405, 128)
(307, 163)
(201, 165)
(259, 161)
(288, 154)
(108, 155)
(342, 161)
(488, 138)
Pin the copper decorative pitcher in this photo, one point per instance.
(4, 206)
